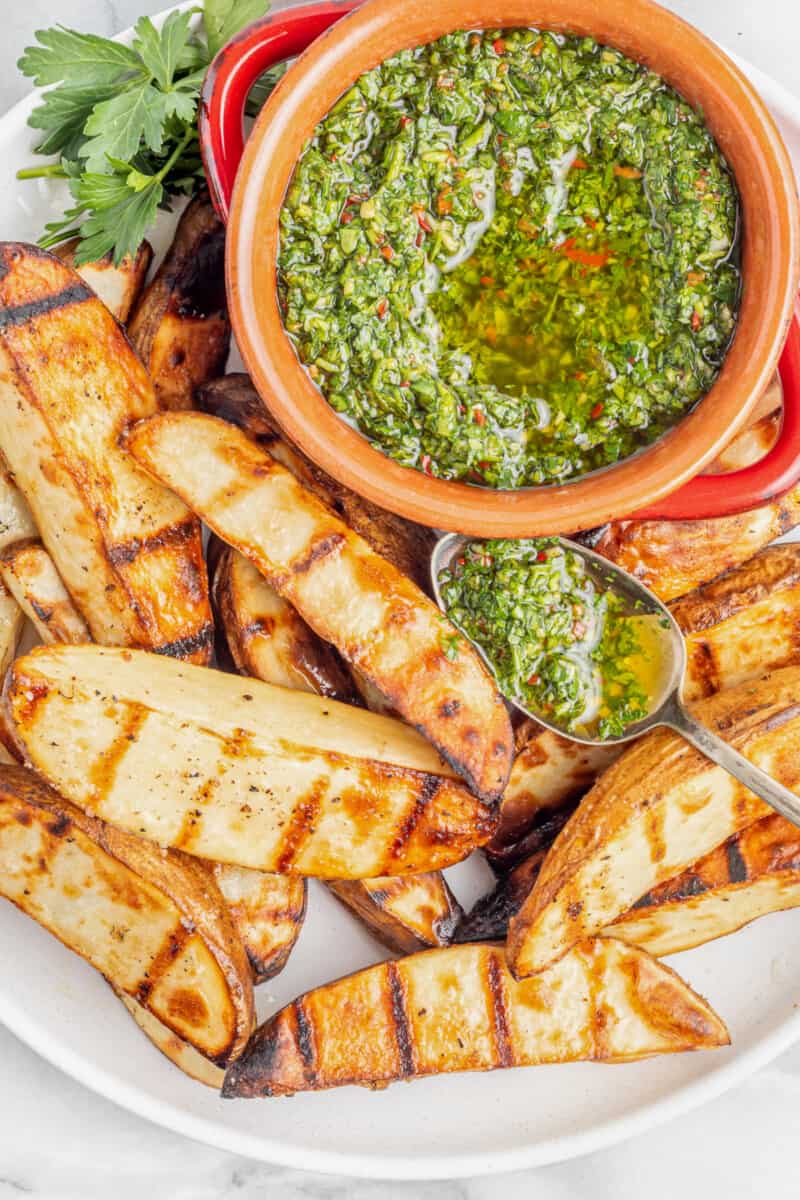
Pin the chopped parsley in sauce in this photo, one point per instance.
(558, 644)
(510, 258)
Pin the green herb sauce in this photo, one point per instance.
(510, 257)
(558, 644)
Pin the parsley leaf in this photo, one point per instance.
(65, 56)
(122, 120)
(224, 18)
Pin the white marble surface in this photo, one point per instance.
(61, 1142)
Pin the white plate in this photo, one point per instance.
(439, 1128)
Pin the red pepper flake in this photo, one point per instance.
(499, 45)
(597, 411)
(486, 281)
(491, 335)
(419, 239)
(405, 122)
(541, 556)
(444, 201)
(586, 258)
(346, 218)
(578, 164)
(590, 221)
(580, 376)
(484, 465)
(478, 417)
(426, 464)
(424, 223)
(693, 277)
(628, 172)
(387, 252)
(461, 560)
(533, 679)
(697, 320)
(537, 48)
(404, 383)
(382, 307)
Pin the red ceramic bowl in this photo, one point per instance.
(338, 43)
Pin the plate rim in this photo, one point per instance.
(412, 1167)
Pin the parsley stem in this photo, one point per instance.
(53, 170)
(176, 153)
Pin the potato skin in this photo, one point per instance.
(180, 327)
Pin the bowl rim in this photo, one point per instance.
(368, 35)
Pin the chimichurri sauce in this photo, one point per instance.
(510, 257)
(557, 643)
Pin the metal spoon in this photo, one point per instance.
(668, 706)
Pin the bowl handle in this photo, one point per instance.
(708, 496)
(232, 74)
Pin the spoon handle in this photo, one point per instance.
(784, 801)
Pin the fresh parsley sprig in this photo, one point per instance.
(122, 120)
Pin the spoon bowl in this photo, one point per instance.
(668, 708)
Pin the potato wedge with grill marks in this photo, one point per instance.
(268, 911)
(460, 1009)
(736, 628)
(180, 327)
(128, 551)
(753, 873)
(404, 912)
(653, 813)
(239, 771)
(270, 641)
(350, 596)
(268, 638)
(150, 921)
(31, 577)
(117, 284)
(234, 399)
(672, 557)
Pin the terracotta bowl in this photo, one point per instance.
(340, 48)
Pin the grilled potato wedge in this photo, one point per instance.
(234, 399)
(406, 913)
(270, 641)
(487, 920)
(736, 628)
(180, 327)
(268, 638)
(179, 1052)
(672, 557)
(30, 575)
(128, 551)
(753, 873)
(118, 286)
(268, 911)
(460, 1009)
(653, 813)
(744, 623)
(150, 921)
(350, 596)
(239, 771)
